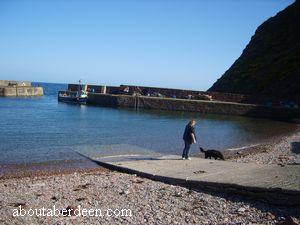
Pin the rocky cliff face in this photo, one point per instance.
(270, 63)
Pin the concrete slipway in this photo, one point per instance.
(276, 184)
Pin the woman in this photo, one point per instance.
(189, 138)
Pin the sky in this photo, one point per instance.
(184, 44)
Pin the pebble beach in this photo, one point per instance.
(128, 199)
(283, 151)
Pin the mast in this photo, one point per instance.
(79, 88)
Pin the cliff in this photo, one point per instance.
(270, 63)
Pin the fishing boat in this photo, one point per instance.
(76, 97)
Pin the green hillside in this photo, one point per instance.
(270, 63)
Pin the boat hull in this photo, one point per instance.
(74, 100)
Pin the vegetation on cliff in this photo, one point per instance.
(270, 63)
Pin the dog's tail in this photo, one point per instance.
(201, 149)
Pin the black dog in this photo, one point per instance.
(212, 153)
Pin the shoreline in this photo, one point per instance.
(258, 153)
(149, 201)
(282, 150)
(10, 171)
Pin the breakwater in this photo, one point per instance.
(19, 88)
(166, 92)
(201, 106)
(140, 97)
(186, 94)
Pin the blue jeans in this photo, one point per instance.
(186, 150)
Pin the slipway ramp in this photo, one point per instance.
(276, 184)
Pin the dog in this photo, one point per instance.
(212, 153)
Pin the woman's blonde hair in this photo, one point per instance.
(192, 122)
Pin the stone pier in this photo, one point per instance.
(10, 88)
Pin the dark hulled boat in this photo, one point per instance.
(76, 97)
(71, 97)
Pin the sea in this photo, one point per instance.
(41, 129)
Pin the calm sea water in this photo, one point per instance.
(41, 129)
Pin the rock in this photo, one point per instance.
(124, 192)
(241, 210)
(17, 204)
(178, 194)
(190, 192)
(80, 199)
(81, 187)
(270, 216)
(288, 221)
(226, 220)
(138, 181)
(54, 198)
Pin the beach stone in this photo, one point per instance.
(241, 210)
(178, 194)
(270, 216)
(288, 221)
(54, 198)
(80, 199)
(124, 192)
(18, 204)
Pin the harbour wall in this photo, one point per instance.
(167, 92)
(183, 94)
(213, 107)
(12, 88)
(186, 94)
(23, 91)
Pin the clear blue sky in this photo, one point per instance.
(180, 44)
